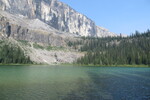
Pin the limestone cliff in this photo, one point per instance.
(32, 30)
(56, 14)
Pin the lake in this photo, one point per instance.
(74, 83)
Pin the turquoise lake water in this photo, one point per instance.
(74, 83)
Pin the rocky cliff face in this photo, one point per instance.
(102, 32)
(56, 14)
(32, 30)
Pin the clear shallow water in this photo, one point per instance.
(74, 83)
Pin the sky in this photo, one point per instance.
(118, 16)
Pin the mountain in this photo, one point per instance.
(56, 15)
(44, 29)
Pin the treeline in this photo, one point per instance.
(12, 55)
(131, 50)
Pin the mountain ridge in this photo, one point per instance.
(56, 14)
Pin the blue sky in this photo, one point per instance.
(119, 16)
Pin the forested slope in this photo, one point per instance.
(132, 50)
(12, 54)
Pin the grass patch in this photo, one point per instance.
(24, 42)
(49, 48)
(54, 48)
(37, 46)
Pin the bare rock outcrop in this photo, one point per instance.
(56, 14)
(32, 30)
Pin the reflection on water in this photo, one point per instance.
(74, 83)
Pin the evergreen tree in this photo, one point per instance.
(131, 50)
(10, 54)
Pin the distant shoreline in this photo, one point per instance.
(18, 64)
(90, 65)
